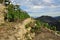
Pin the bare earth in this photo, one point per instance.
(45, 34)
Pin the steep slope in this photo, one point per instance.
(13, 30)
(16, 31)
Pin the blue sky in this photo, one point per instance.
(39, 7)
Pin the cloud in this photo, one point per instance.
(48, 1)
(39, 7)
(46, 13)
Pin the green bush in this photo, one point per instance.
(36, 27)
(1, 1)
(42, 24)
(27, 26)
(49, 27)
(15, 13)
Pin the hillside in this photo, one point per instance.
(50, 20)
(47, 34)
(2, 12)
(57, 18)
(15, 31)
(16, 24)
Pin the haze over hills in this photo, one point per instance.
(57, 18)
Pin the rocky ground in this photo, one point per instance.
(16, 31)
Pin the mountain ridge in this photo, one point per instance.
(50, 20)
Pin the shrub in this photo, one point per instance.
(36, 27)
(49, 27)
(1, 1)
(42, 24)
(15, 13)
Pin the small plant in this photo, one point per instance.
(26, 26)
(53, 28)
(36, 27)
(46, 25)
(49, 27)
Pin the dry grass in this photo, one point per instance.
(46, 34)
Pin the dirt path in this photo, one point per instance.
(28, 20)
(12, 31)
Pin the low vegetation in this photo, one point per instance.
(15, 13)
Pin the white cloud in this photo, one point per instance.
(48, 1)
(38, 7)
(47, 13)
(53, 6)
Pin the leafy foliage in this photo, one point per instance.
(50, 27)
(1, 1)
(36, 27)
(15, 13)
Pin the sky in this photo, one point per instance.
(36, 8)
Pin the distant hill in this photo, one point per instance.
(57, 18)
(50, 20)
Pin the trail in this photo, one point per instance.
(22, 28)
(28, 20)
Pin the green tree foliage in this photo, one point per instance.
(15, 13)
(36, 27)
(6, 2)
(1, 1)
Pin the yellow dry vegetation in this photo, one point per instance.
(2, 11)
